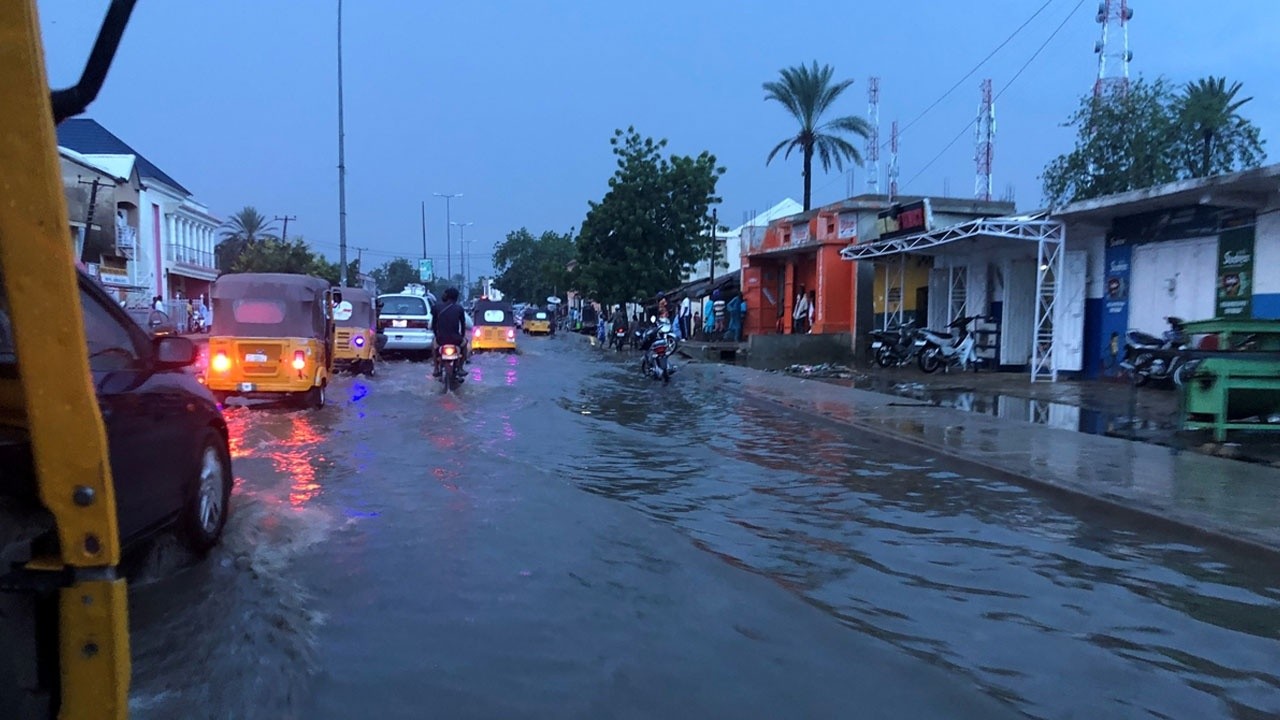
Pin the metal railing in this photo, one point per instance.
(126, 240)
(190, 256)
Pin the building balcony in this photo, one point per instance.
(202, 259)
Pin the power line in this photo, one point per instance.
(1016, 75)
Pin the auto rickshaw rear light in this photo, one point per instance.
(476, 333)
(221, 362)
(358, 341)
(299, 360)
(511, 334)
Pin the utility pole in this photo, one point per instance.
(342, 170)
(462, 251)
(448, 233)
(88, 219)
(715, 223)
(424, 229)
(284, 233)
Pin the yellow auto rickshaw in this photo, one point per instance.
(495, 326)
(272, 337)
(537, 322)
(355, 319)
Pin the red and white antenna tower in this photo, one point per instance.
(984, 151)
(872, 158)
(893, 162)
(1113, 48)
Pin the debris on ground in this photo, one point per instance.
(825, 370)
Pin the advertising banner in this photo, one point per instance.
(425, 273)
(1235, 273)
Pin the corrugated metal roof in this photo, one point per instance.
(86, 136)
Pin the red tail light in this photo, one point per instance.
(299, 360)
(511, 334)
(221, 362)
(475, 333)
(449, 351)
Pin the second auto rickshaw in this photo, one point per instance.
(495, 326)
(537, 322)
(272, 337)
(355, 319)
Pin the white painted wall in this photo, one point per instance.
(1267, 252)
(1092, 240)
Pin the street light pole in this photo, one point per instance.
(424, 230)
(462, 252)
(342, 169)
(448, 233)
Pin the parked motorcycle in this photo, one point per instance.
(893, 347)
(451, 372)
(946, 350)
(658, 346)
(1148, 357)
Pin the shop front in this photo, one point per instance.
(795, 256)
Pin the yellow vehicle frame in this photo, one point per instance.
(53, 396)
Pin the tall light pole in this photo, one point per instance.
(462, 251)
(448, 233)
(342, 169)
(424, 230)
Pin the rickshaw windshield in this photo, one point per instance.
(493, 314)
(355, 310)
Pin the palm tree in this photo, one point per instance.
(1207, 108)
(242, 230)
(807, 93)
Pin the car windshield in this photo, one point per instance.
(403, 305)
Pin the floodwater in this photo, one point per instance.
(564, 538)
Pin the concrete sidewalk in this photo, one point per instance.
(1223, 499)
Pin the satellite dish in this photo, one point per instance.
(553, 300)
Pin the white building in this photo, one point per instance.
(167, 234)
(730, 244)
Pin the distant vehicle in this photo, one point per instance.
(355, 320)
(170, 459)
(495, 326)
(154, 321)
(536, 322)
(406, 321)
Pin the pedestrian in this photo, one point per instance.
(743, 308)
(734, 309)
(602, 327)
(813, 311)
(686, 315)
(192, 325)
(800, 313)
(662, 306)
(708, 317)
(157, 303)
(718, 307)
(206, 315)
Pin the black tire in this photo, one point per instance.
(220, 397)
(1181, 375)
(666, 371)
(314, 398)
(928, 360)
(370, 367)
(208, 495)
(884, 357)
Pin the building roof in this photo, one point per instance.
(92, 164)
(783, 209)
(86, 136)
(1248, 188)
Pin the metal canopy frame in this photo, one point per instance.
(1049, 236)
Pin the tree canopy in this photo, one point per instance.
(533, 268)
(652, 225)
(394, 274)
(291, 256)
(808, 93)
(241, 231)
(1152, 134)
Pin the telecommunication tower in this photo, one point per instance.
(985, 144)
(893, 162)
(873, 138)
(1113, 48)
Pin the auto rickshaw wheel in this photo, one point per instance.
(368, 367)
(314, 398)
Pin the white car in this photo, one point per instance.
(406, 321)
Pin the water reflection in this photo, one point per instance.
(995, 581)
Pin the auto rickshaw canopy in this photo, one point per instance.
(269, 305)
(491, 312)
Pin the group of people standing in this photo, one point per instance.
(803, 312)
(724, 319)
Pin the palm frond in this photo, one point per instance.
(789, 143)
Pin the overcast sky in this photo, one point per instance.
(512, 102)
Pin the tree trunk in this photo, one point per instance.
(1206, 153)
(808, 174)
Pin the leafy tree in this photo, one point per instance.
(393, 275)
(241, 231)
(808, 93)
(330, 271)
(1217, 139)
(651, 226)
(1123, 142)
(273, 255)
(533, 268)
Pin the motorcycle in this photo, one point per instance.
(451, 372)
(619, 338)
(658, 347)
(893, 347)
(947, 350)
(1148, 357)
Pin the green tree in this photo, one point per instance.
(808, 93)
(393, 275)
(1123, 142)
(1216, 138)
(241, 231)
(651, 226)
(532, 268)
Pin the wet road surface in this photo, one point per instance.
(566, 539)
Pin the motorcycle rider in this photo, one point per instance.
(449, 325)
(619, 320)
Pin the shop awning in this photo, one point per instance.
(961, 238)
(701, 288)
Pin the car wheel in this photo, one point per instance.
(208, 499)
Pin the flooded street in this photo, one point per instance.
(564, 538)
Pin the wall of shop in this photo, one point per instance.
(1266, 293)
(915, 277)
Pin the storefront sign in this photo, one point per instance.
(1235, 273)
(848, 228)
(908, 219)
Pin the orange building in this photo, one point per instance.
(801, 251)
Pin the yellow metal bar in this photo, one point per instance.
(68, 443)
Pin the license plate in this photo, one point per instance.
(255, 358)
(246, 387)
(877, 344)
(399, 323)
(919, 343)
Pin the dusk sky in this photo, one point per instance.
(513, 103)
